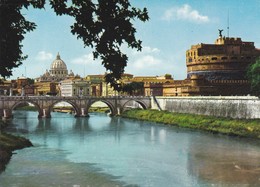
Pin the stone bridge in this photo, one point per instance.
(81, 105)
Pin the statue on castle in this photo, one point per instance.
(220, 32)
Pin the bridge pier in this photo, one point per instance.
(45, 113)
(118, 110)
(7, 114)
(83, 113)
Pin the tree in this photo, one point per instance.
(13, 27)
(104, 25)
(253, 74)
(30, 81)
(134, 88)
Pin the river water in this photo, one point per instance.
(107, 151)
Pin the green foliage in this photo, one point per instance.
(9, 143)
(245, 128)
(104, 25)
(253, 74)
(30, 81)
(134, 88)
(13, 27)
(27, 108)
(99, 109)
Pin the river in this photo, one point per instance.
(102, 151)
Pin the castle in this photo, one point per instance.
(213, 69)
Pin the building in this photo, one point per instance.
(153, 85)
(227, 59)
(96, 84)
(107, 90)
(99, 87)
(58, 71)
(75, 87)
(46, 88)
(5, 86)
(47, 84)
(215, 69)
(220, 68)
(21, 82)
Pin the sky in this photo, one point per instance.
(173, 27)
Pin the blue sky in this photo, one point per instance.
(173, 27)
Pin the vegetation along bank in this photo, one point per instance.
(9, 143)
(228, 126)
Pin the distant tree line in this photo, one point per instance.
(253, 75)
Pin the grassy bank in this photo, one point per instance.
(244, 128)
(91, 109)
(9, 143)
(99, 109)
(27, 108)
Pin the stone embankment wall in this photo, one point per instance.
(242, 107)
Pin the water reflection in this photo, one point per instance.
(224, 161)
(138, 152)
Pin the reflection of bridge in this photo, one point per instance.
(81, 105)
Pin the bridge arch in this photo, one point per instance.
(125, 107)
(108, 103)
(74, 106)
(16, 104)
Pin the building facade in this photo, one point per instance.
(75, 87)
(220, 68)
(96, 84)
(46, 88)
(47, 84)
(58, 71)
(107, 90)
(215, 69)
(153, 85)
(227, 59)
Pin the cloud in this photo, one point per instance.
(86, 65)
(84, 60)
(184, 12)
(146, 62)
(43, 56)
(146, 50)
(141, 63)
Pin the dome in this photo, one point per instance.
(58, 64)
(58, 69)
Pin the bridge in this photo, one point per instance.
(81, 105)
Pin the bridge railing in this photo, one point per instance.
(65, 97)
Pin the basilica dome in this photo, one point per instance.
(58, 68)
(58, 71)
(58, 64)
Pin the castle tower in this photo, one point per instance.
(227, 59)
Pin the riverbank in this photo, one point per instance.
(228, 126)
(9, 143)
